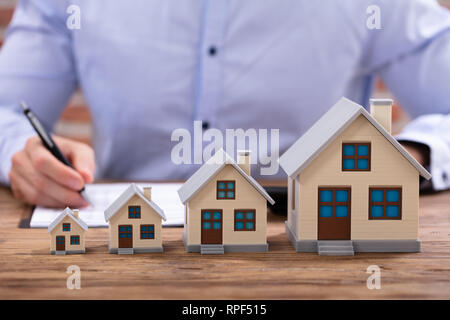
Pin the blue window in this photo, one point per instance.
(326, 211)
(363, 150)
(75, 240)
(341, 195)
(244, 220)
(206, 215)
(356, 156)
(239, 215)
(211, 219)
(60, 240)
(349, 150)
(66, 226)
(334, 202)
(226, 190)
(392, 195)
(217, 215)
(341, 211)
(125, 231)
(134, 212)
(326, 195)
(376, 211)
(206, 225)
(349, 164)
(385, 203)
(147, 231)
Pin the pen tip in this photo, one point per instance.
(24, 106)
(86, 197)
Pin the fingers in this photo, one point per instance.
(37, 177)
(24, 191)
(33, 187)
(45, 163)
(80, 155)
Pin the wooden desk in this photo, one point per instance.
(28, 271)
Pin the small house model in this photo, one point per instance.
(135, 222)
(67, 233)
(225, 208)
(352, 187)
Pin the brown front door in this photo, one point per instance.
(125, 236)
(334, 206)
(60, 243)
(211, 226)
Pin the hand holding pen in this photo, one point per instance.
(40, 176)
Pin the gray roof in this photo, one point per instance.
(326, 129)
(123, 199)
(209, 170)
(62, 215)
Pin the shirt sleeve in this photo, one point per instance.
(411, 53)
(434, 131)
(37, 66)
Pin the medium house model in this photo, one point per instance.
(67, 233)
(225, 208)
(352, 186)
(134, 222)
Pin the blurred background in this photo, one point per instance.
(75, 121)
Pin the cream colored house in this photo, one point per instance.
(67, 233)
(352, 187)
(225, 208)
(135, 222)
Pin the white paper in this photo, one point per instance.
(165, 195)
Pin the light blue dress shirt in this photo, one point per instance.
(147, 67)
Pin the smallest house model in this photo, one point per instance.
(225, 208)
(352, 187)
(67, 233)
(134, 222)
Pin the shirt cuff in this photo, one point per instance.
(439, 156)
(9, 148)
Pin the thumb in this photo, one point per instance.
(80, 155)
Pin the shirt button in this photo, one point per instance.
(212, 51)
(205, 125)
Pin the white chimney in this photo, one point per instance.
(75, 213)
(244, 160)
(381, 110)
(148, 193)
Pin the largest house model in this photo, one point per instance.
(226, 209)
(352, 186)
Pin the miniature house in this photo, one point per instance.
(352, 187)
(135, 222)
(67, 233)
(225, 208)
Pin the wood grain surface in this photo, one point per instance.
(27, 271)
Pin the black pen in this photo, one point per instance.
(48, 142)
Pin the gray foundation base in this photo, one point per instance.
(230, 247)
(387, 245)
(300, 245)
(67, 252)
(358, 245)
(141, 250)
